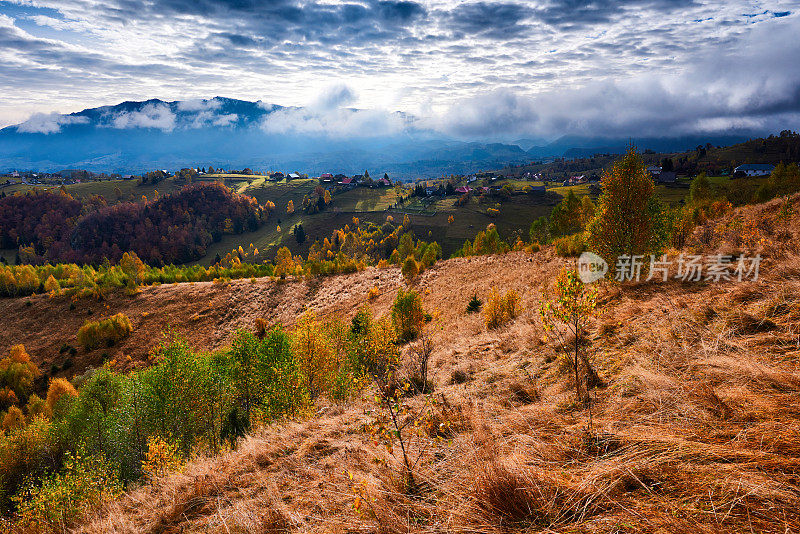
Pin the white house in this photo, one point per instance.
(755, 169)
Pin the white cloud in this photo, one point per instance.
(199, 104)
(333, 97)
(333, 123)
(48, 123)
(328, 116)
(157, 116)
(225, 120)
(205, 118)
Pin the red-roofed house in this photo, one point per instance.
(463, 189)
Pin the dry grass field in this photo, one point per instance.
(693, 425)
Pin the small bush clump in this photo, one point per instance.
(373, 293)
(407, 314)
(84, 484)
(570, 245)
(109, 331)
(500, 309)
(410, 269)
(475, 304)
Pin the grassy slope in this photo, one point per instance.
(696, 428)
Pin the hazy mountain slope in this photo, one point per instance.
(138, 136)
(133, 137)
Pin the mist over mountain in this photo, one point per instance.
(133, 137)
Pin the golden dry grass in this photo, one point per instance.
(694, 426)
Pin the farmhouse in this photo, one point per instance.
(348, 183)
(755, 169)
(463, 189)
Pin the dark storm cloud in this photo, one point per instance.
(495, 19)
(584, 13)
(715, 94)
(286, 18)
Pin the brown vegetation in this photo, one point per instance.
(694, 423)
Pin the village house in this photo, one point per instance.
(463, 189)
(755, 169)
(348, 183)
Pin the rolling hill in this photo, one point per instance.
(693, 426)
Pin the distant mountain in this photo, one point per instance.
(579, 147)
(133, 137)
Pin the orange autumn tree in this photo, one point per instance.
(628, 219)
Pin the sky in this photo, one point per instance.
(473, 69)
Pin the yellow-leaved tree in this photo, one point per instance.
(628, 219)
(572, 306)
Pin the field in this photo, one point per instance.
(368, 205)
(111, 190)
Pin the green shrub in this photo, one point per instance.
(410, 268)
(629, 218)
(25, 453)
(475, 304)
(109, 331)
(408, 317)
(266, 376)
(83, 485)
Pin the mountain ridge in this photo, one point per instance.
(136, 136)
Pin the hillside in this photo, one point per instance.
(695, 423)
(696, 155)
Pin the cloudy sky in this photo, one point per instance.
(470, 68)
